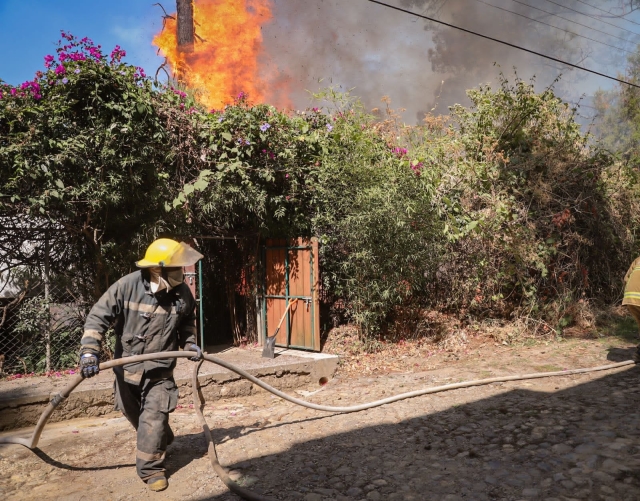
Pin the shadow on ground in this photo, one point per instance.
(623, 326)
(578, 443)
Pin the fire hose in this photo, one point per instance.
(198, 402)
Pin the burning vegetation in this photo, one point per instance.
(222, 58)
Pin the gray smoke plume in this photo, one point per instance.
(424, 66)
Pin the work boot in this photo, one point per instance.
(157, 484)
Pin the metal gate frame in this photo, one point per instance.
(311, 300)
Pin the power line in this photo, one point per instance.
(552, 26)
(607, 12)
(576, 22)
(508, 44)
(592, 17)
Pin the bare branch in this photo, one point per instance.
(165, 16)
(162, 67)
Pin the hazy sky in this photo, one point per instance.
(357, 44)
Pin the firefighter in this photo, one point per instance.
(151, 310)
(632, 296)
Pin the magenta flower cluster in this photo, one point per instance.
(417, 168)
(71, 53)
(399, 152)
(269, 153)
(402, 153)
(117, 54)
(178, 92)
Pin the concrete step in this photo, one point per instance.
(23, 400)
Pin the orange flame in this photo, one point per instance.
(225, 59)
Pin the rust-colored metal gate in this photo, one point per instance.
(291, 273)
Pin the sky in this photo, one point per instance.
(354, 44)
(29, 29)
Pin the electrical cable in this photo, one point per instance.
(503, 42)
(576, 22)
(198, 400)
(609, 13)
(592, 17)
(557, 28)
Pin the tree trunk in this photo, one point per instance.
(186, 27)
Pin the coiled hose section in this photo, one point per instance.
(198, 401)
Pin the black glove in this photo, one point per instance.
(89, 365)
(196, 348)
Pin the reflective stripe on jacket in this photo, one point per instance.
(144, 322)
(632, 286)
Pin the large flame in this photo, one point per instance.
(228, 44)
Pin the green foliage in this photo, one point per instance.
(253, 172)
(41, 323)
(373, 213)
(87, 152)
(502, 209)
(537, 191)
(618, 125)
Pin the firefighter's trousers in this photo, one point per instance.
(147, 406)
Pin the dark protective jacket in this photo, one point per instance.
(144, 322)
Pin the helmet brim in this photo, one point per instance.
(145, 263)
(184, 255)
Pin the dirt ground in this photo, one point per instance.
(561, 438)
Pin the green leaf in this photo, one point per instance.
(472, 225)
(200, 184)
(226, 136)
(59, 184)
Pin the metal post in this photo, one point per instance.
(47, 325)
(286, 292)
(200, 305)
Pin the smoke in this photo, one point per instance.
(423, 66)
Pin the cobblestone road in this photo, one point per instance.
(553, 439)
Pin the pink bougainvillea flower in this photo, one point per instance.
(60, 70)
(48, 60)
(399, 152)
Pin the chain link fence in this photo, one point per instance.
(43, 303)
(47, 288)
(41, 325)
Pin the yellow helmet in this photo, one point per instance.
(165, 252)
